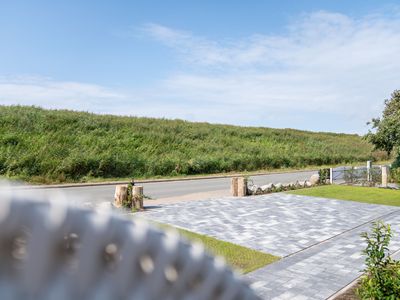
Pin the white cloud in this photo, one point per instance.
(192, 48)
(46, 92)
(325, 63)
(327, 71)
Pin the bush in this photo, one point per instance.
(382, 273)
(395, 175)
(324, 175)
(396, 163)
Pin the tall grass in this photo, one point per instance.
(60, 145)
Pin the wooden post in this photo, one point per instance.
(331, 175)
(137, 197)
(121, 194)
(242, 186)
(234, 186)
(385, 171)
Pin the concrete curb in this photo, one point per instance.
(344, 289)
(69, 185)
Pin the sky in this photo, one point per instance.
(312, 65)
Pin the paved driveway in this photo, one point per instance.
(319, 239)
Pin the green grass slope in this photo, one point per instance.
(41, 145)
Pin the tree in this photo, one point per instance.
(385, 133)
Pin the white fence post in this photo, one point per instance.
(369, 166)
(385, 171)
(331, 175)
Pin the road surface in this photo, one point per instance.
(94, 195)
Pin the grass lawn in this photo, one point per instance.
(353, 193)
(238, 257)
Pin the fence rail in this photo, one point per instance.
(357, 175)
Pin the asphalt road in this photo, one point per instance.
(93, 195)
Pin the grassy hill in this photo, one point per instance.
(59, 145)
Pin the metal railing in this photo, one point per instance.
(357, 175)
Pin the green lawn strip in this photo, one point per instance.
(353, 193)
(238, 257)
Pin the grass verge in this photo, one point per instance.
(354, 193)
(240, 258)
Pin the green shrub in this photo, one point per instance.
(382, 273)
(324, 175)
(395, 175)
(396, 163)
(128, 202)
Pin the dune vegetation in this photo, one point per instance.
(48, 146)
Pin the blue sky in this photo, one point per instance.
(315, 65)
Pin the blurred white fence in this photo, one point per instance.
(50, 251)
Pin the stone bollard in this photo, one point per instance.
(241, 187)
(314, 179)
(121, 194)
(234, 186)
(137, 197)
(385, 171)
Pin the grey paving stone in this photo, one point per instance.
(328, 267)
(279, 223)
(318, 238)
